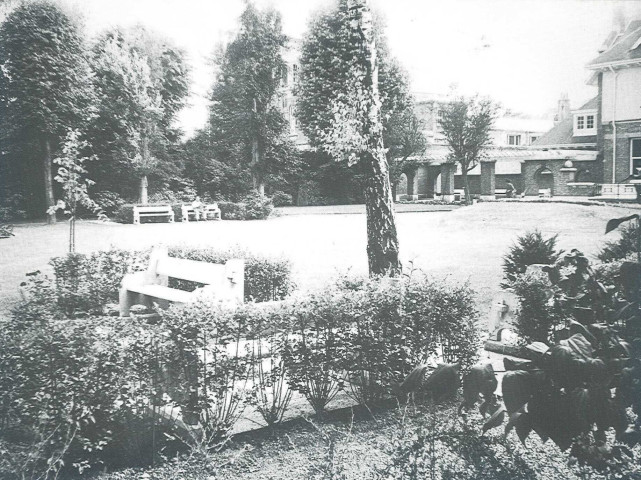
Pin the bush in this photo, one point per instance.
(257, 207)
(109, 202)
(69, 392)
(232, 211)
(539, 314)
(624, 247)
(266, 278)
(530, 248)
(282, 199)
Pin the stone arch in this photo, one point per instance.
(401, 186)
(438, 185)
(544, 179)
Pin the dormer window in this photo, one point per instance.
(584, 123)
(514, 139)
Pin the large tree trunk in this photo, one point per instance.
(257, 160)
(144, 193)
(382, 240)
(46, 168)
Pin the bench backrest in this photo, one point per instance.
(153, 209)
(227, 280)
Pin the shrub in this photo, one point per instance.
(67, 389)
(539, 314)
(6, 230)
(206, 365)
(232, 211)
(109, 202)
(530, 248)
(282, 199)
(315, 355)
(124, 213)
(266, 278)
(258, 207)
(624, 247)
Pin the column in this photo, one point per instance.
(447, 181)
(488, 179)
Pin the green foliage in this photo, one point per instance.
(247, 128)
(39, 100)
(539, 313)
(282, 199)
(467, 126)
(141, 81)
(266, 278)
(109, 202)
(253, 207)
(625, 246)
(530, 248)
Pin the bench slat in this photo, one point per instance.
(165, 293)
(192, 270)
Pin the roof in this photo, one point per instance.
(592, 104)
(625, 50)
(563, 134)
(522, 124)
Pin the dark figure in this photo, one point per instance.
(510, 191)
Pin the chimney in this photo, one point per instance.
(563, 109)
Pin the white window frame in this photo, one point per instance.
(632, 159)
(514, 140)
(580, 122)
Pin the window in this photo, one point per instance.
(580, 122)
(514, 139)
(635, 156)
(295, 73)
(533, 139)
(439, 114)
(589, 122)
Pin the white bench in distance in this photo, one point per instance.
(224, 282)
(153, 211)
(211, 211)
(545, 193)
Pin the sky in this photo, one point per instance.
(521, 53)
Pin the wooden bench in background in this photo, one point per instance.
(224, 282)
(210, 212)
(152, 211)
(545, 193)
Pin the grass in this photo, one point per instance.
(466, 244)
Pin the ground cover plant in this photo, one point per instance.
(580, 385)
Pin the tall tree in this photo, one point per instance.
(405, 140)
(467, 126)
(340, 108)
(246, 121)
(141, 82)
(44, 80)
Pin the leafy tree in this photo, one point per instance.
(467, 126)
(44, 80)
(340, 111)
(142, 83)
(247, 126)
(405, 140)
(71, 175)
(324, 75)
(529, 249)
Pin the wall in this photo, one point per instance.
(625, 131)
(628, 96)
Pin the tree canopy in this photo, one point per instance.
(467, 126)
(247, 125)
(44, 90)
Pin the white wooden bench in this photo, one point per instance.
(210, 211)
(224, 282)
(545, 193)
(459, 194)
(153, 211)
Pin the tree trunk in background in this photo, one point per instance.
(466, 185)
(144, 197)
(46, 167)
(382, 239)
(257, 160)
(146, 162)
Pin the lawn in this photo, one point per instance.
(465, 244)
